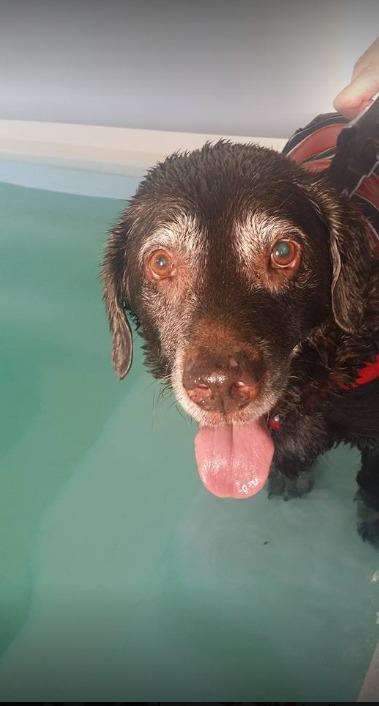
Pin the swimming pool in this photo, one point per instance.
(122, 579)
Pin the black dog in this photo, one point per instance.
(255, 288)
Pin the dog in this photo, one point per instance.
(254, 285)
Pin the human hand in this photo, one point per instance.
(363, 86)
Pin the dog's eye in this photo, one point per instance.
(160, 264)
(285, 253)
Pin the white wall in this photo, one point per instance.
(245, 67)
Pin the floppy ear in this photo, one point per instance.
(349, 252)
(115, 294)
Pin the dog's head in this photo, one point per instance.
(229, 257)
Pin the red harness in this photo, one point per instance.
(314, 150)
(368, 373)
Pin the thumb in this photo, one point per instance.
(358, 94)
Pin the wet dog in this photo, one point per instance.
(255, 289)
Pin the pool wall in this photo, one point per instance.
(46, 155)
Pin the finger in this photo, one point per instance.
(354, 97)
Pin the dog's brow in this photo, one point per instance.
(183, 231)
(258, 230)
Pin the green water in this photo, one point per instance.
(120, 577)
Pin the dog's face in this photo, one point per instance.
(227, 259)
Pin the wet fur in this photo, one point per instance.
(331, 309)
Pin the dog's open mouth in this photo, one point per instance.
(234, 460)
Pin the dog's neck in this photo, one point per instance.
(327, 362)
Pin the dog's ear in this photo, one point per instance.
(349, 253)
(115, 298)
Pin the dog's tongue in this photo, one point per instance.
(234, 461)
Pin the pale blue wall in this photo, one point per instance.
(242, 66)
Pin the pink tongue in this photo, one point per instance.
(234, 461)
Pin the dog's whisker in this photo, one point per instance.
(154, 410)
(161, 396)
(187, 417)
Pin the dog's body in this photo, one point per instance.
(255, 288)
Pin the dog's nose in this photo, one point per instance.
(224, 385)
